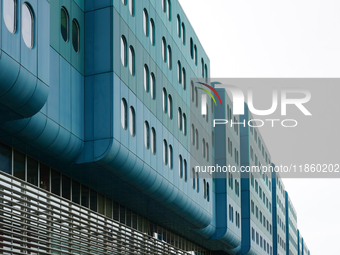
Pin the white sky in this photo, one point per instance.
(279, 39)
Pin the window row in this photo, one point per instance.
(237, 216)
(261, 217)
(180, 29)
(128, 117)
(127, 55)
(231, 184)
(261, 241)
(131, 6)
(281, 242)
(149, 82)
(281, 224)
(64, 29)
(149, 137)
(43, 177)
(149, 27)
(10, 11)
(230, 151)
(261, 194)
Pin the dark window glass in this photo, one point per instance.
(101, 204)
(32, 171)
(115, 209)
(5, 158)
(66, 187)
(55, 182)
(19, 165)
(122, 214)
(108, 208)
(93, 200)
(85, 196)
(128, 217)
(44, 177)
(64, 23)
(75, 36)
(76, 192)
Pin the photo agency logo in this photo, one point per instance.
(287, 96)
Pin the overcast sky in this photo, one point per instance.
(279, 39)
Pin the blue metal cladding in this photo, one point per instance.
(256, 192)
(63, 108)
(291, 228)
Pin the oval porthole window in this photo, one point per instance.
(27, 25)
(9, 13)
(75, 35)
(64, 23)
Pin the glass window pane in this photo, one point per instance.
(184, 85)
(101, 203)
(152, 86)
(146, 135)
(76, 192)
(85, 196)
(5, 158)
(123, 114)
(131, 60)
(108, 208)
(169, 58)
(9, 13)
(170, 157)
(178, 26)
(27, 25)
(183, 33)
(66, 187)
(93, 200)
(55, 182)
(132, 121)
(180, 166)
(145, 22)
(153, 141)
(32, 171)
(179, 74)
(179, 118)
(170, 106)
(19, 165)
(146, 78)
(132, 7)
(64, 23)
(185, 170)
(165, 152)
(44, 177)
(75, 36)
(184, 124)
(123, 50)
(164, 98)
(122, 214)
(152, 32)
(168, 9)
(164, 49)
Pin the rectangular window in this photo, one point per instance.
(85, 196)
(101, 204)
(93, 200)
(19, 165)
(5, 158)
(55, 182)
(44, 177)
(32, 171)
(66, 187)
(76, 192)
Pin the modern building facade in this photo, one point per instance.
(101, 130)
